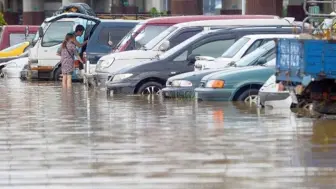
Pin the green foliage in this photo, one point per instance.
(2, 20)
(154, 12)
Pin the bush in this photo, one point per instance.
(2, 20)
(154, 12)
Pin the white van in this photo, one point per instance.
(168, 39)
(239, 49)
(42, 57)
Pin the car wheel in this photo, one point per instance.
(57, 74)
(150, 88)
(249, 96)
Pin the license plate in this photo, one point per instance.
(111, 92)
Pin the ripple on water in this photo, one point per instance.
(52, 138)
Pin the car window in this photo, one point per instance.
(116, 35)
(15, 38)
(265, 41)
(56, 32)
(235, 48)
(182, 57)
(182, 37)
(148, 33)
(214, 48)
(253, 47)
(152, 43)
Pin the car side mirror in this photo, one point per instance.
(164, 46)
(26, 32)
(192, 59)
(110, 42)
(262, 60)
(40, 31)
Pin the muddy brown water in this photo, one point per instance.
(52, 138)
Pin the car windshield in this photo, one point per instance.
(253, 56)
(12, 47)
(152, 43)
(235, 48)
(128, 36)
(148, 33)
(183, 44)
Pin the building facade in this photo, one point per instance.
(34, 11)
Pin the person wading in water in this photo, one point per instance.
(68, 52)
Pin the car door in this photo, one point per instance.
(212, 46)
(98, 45)
(53, 37)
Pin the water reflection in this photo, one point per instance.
(51, 138)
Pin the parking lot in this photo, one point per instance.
(53, 138)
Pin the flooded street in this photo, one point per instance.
(51, 138)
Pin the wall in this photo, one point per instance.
(268, 7)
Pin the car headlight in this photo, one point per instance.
(106, 63)
(181, 83)
(11, 65)
(215, 84)
(120, 77)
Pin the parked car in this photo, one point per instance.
(43, 61)
(82, 8)
(166, 40)
(152, 75)
(183, 85)
(270, 95)
(15, 34)
(241, 84)
(145, 30)
(14, 50)
(12, 69)
(241, 48)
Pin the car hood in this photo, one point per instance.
(236, 70)
(220, 62)
(133, 54)
(196, 76)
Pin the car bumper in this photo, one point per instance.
(29, 74)
(209, 94)
(272, 96)
(120, 88)
(172, 92)
(96, 79)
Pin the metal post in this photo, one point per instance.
(243, 2)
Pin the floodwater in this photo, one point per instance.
(50, 138)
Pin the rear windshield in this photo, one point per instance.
(235, 48)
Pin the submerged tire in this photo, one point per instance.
(324, 107)
(250, 94)
(150, 88)
(57, 74)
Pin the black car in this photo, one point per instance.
(150, 77)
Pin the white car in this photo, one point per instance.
(239, 49)
(171, 37)
(14, 67)
(270, 95)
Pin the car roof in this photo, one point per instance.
(268, 36)
(180, 19)
(120, 20)
(232, 22)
